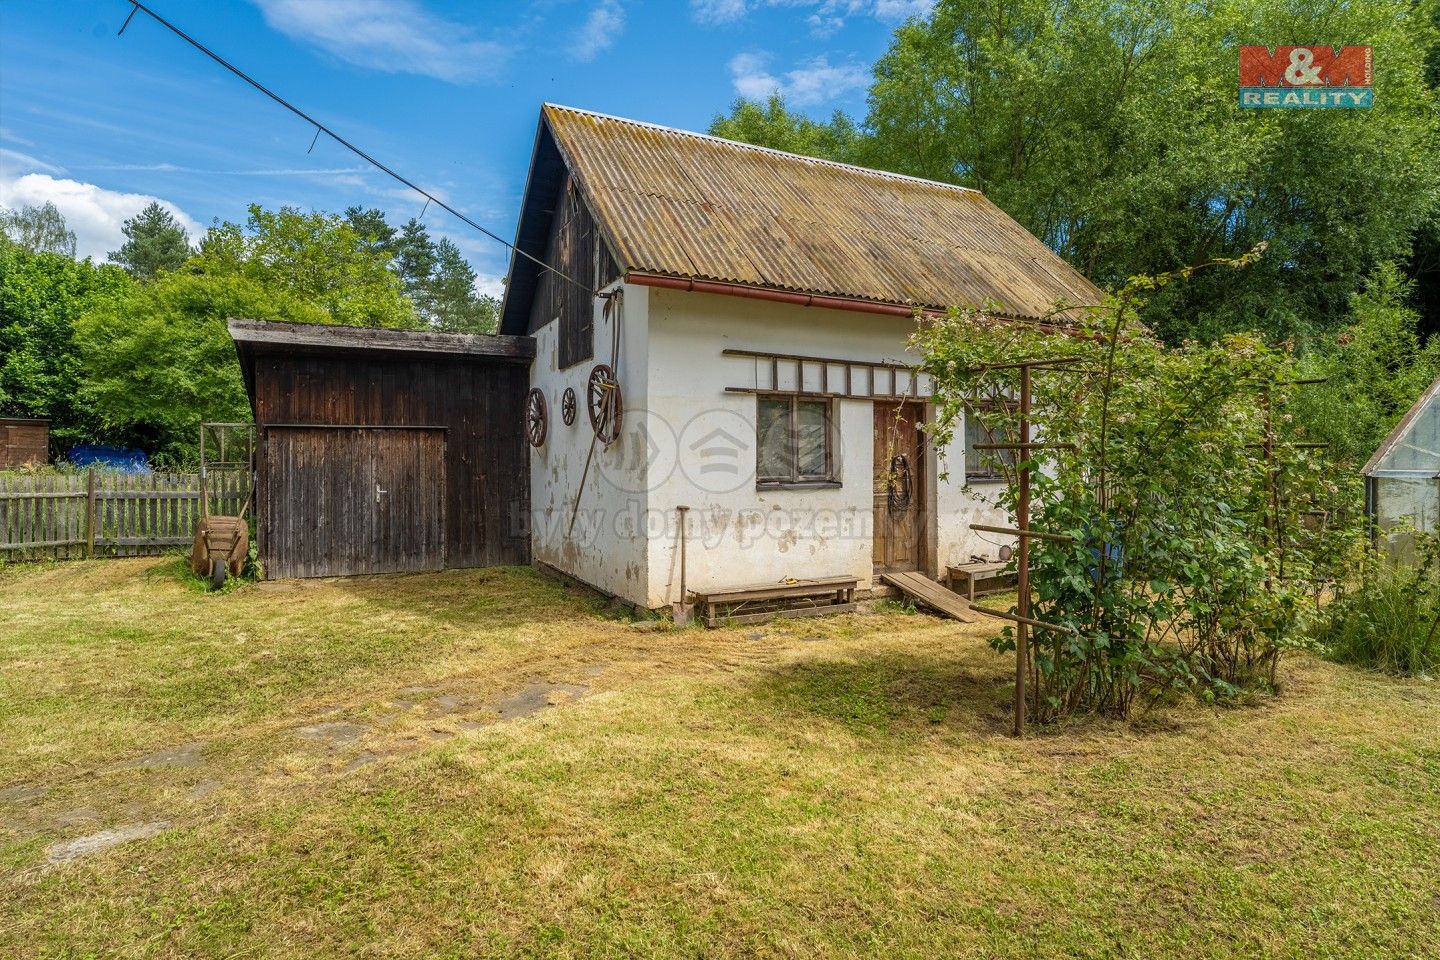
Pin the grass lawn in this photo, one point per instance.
(485, 763)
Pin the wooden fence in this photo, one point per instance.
(106, 514)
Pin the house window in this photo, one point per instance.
(793, 440)
(984, 464)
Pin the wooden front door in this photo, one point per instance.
(340, 501)
(899, 486)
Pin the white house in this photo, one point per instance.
(750, 311)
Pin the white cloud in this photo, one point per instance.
(10, 136)
(175, 168)
(826, 16)
(600, 30)
(823, 25)
(488, 286)
(94, 213)
(751, 77)
(14, 158)
(900, 9)
(718, 11)
(396, 36)
(812, 82)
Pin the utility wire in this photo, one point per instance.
(136, 5)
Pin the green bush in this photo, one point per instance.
(1390, 620)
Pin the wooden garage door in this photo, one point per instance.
(351, 500)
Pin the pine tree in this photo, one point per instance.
(154, 242)
(415, 262)
(372, 227)
(456, 305)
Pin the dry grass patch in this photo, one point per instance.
(820, 788)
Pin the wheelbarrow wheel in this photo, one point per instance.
(217, 573)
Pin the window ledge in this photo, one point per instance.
(972, 481)
(798, 485)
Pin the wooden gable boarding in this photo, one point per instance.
(382, 451)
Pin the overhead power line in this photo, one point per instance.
(136, 5)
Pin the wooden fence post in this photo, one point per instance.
(90, 513)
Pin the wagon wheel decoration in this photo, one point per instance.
(567, 406)
(537, 417)
(605, 404)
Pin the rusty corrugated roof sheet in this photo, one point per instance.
(694, 206)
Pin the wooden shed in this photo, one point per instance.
(24, 442)
(382, 451)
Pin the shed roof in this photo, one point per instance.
(320, 337)
(687, 205)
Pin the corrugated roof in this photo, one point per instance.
(688, 205)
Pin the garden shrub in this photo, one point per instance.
(1192, 552)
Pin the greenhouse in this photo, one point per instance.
(1402, 479)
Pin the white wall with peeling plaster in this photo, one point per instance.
(606, 547)
(688, 440)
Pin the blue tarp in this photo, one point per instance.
(112, 458)
(1114, 554)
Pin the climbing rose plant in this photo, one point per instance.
(1191, 553)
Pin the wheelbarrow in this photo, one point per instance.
(221, 543)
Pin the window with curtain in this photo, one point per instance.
(793, 440)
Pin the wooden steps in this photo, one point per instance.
(788, 598)
(923, 590)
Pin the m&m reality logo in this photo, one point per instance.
(1306, 77)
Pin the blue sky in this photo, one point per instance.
(447, 92)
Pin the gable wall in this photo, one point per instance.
(576, 249)
(607, 546)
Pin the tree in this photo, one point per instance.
(456, 305)
(39, 229)
(373, 229)
(440, 283)
(154, 241)
(415, 262)
(158, 359)
(1375, 368)
(770, 124)
(312, 257)
(42, 295)
(1111, 130)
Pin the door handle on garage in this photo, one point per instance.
(379, 492)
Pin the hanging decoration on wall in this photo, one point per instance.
(605, 404)
(603, 394)
(900, 485)
(537, 417)
(567, 406)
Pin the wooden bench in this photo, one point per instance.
(786, 598)
(968, 579)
